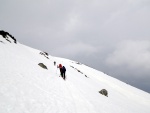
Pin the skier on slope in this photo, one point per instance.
(63, 72)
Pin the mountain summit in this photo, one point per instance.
(26, 87)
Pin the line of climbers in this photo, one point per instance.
(62, 70)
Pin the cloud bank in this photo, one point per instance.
(111, 36)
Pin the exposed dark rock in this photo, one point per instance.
(42, 65)
(72, 66)
(86, 76)
(8, 40)
(79, 71)
(78, 63)
(45, 54)
(6, 34)
(2, 42)
(104, 92)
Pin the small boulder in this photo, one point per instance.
(42, 65)
(86, 76)
(104, 92)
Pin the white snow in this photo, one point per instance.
(25, 87)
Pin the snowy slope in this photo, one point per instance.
(25, 87)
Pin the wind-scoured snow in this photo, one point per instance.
(25, 87)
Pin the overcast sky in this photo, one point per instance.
(112, 36)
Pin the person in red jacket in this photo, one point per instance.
(60, 67)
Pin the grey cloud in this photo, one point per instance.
(134, 54)
(75, 49)
(92, 32)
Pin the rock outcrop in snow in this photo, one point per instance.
(104, 92)
(45, 54)
(42, 65)
(7, 36)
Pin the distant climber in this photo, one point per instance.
(54, 63)
(63, 72)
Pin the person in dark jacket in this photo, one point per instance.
(63, 72)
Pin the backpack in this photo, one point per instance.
(64, 69)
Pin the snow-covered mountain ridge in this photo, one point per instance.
(25, 87)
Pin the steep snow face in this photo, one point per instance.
(25, 87)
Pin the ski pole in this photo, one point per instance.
(56, 69)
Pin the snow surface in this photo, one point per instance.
(25, 87)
